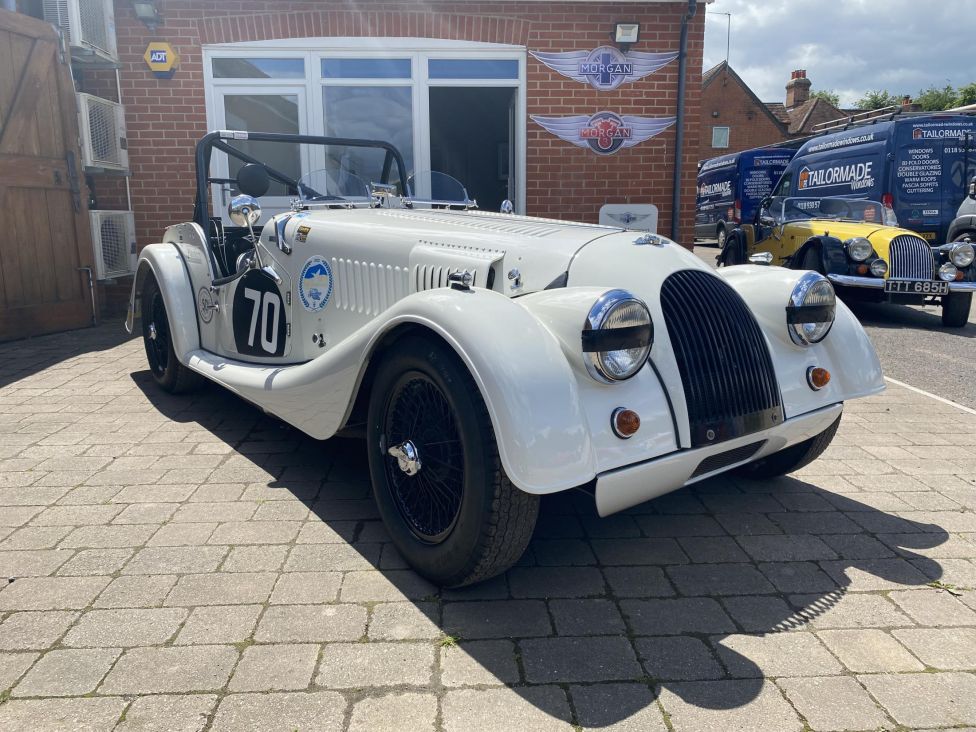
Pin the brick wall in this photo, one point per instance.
(166, 117)
(749, 124)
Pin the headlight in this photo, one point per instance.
(962, 254)
(879, 268)
(858, 248)
(811, 309)
(617, 336)
(947, 272)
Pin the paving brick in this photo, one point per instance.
(385, 586)
(869, 650)
(295, 588)
(950, 649)
(255, 532)
(164, 713)
(405, 621)
(321, 711)
(257, 558)
(12, 667)
(334, 557)
(357, 665)
(107, 536)
(219, 624)
(676, 616)
(29, 630)
(136, 591)
(539, 708)
(275, 668)
(638, 551)
(32, 563)
(562, 553)
(76, 515)
(949, 698)
(638, 582)
(57, 715)
(51, 593)
(67, 672)
(567, 659)
(787, 548)
(833, 703)
(797, 577)
(713, 549)
(34, 537)
(617, 708)
(395, 712)
(173, 534)
(543, 582)
(678, 658)
(124, 628)
(744, 705)
(586, 617)
(96, 562)
(471, 662)
(719, 579)
(228, 588)
(762, 613)
(933, 607)
(146, 513)
(170, 670)
(311, 623)
(857, 546)
(839, 610)
(496, 619)
(776, 654)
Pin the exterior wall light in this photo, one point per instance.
(626, 34)
(148, 13)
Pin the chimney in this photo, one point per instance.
(907, 105)
(798, 89)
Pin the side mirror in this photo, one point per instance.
(507, 207)
(761, 258)
(766, 220)
(253, 180)
(244, 211)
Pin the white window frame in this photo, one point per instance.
(728, 137)
(419, 50)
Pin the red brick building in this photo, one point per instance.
(734, 119)
(454, 84)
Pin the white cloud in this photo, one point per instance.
(849, 46)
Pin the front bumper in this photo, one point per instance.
(622, 488)
(875, 283)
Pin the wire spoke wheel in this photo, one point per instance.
(424, 457)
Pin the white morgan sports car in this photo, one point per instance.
(489, 358)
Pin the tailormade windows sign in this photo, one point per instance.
(854, 177)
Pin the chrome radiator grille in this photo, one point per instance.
(729, 383)
(911, 258)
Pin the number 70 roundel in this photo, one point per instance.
(259, 320)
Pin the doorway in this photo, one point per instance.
(472, 138)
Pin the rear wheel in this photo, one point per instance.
(720, 237)
(166, 369)
(955, 309)
(437, 478)
(792, 458)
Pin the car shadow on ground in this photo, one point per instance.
(640, 600)
(898, 317)
(44, 352)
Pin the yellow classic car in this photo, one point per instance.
(853, 243)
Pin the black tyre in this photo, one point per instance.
(720, 237)
(733, 251)
(448, 505)
(955, 309)
(811, 260)
(792, 458)
(166, 369)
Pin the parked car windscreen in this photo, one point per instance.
(785, 209)
(332, 186)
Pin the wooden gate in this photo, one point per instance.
(45, 240)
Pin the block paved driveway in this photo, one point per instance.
(186, 563)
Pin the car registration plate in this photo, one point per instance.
(917, 287)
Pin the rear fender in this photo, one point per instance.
(164, 262)
(960, 226)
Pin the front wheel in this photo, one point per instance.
(437, 478)
(955, 309)
(166, 369)
(720, 237)
(791, 458)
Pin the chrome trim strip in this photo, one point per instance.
(962, 287)
(852, 281)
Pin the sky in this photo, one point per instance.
(848, 46)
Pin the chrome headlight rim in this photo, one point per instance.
(948, 272)
(599, 342)
(879, 267)
(858, 248)
(962, 254)
(800, 313)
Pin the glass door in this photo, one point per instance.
(260, 109)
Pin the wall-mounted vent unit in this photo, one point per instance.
(88, 26)
(102, 125)
(114, 238)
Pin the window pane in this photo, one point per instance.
(720, 137)
(258, 68)
(366, 68)
(471, 68)
(265, 113)
(369, 112)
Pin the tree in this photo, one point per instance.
(967, 94)
(877, 99)
(828, 95)
(935, 100)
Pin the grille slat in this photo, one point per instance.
(726, 371)
(911, 258)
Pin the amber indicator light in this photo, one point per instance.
(625, 422)
(818, 377)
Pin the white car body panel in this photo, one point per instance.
(520, 341)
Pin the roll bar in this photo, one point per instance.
(219, 140)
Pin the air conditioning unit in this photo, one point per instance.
(114, 240)
(88, 25)
(102, 125)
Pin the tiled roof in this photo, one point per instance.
(779, 111)
(812, 112)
